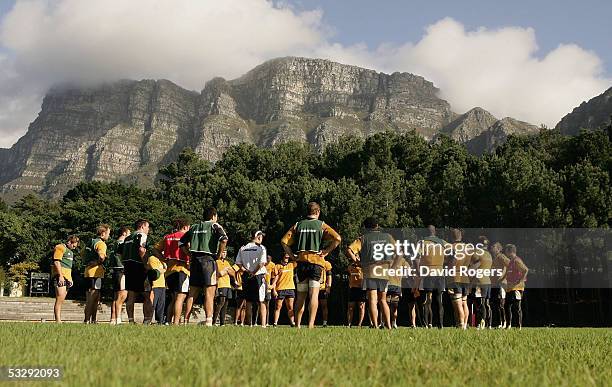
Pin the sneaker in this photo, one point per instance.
(324, 324)
(394, 325)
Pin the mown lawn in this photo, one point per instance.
(234, 356)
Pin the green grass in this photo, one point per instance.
(232, 356)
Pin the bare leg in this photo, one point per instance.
(121, 296)
(299, 306)
(60, 296)
(349, 313)
(373, 307)
(466, 313)
(313, 305)
(384, 307)
(277, 311)
(290, 314)
(361, 313)
(178, 308)
(324, 310)
(209, 303)
(193, 294)
(263, 313)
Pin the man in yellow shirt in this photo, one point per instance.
(95, 255)
(156, 282)
(239, 292)
(459, 283)
(270, 273)
(308, 236)
(357, 295)
(326, 283)
(224, 287)
(61, 270)
(284, 288)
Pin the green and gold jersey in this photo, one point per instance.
(204, 237)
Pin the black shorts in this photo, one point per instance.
(67, 284)
(203, 271)
(135, 276)
(239, 294)
(178, 282)
(458, 289)
(429, 284)
(287, 293)
(93, 283)
(224, 292)
(378, 284)
(484, 293)
(308, 271)
(118, 280)
(268, 295)
(514, 296)
(323, 295)
(409, 295)
(255, 288)
(357, 295)
(497, 293)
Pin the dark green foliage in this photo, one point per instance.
(547, 180)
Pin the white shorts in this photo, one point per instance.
(303, 286)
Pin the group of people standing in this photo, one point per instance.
(192, 261)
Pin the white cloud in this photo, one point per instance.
(191, 41)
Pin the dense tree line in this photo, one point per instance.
(546, 180)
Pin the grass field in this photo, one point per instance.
(225, 356)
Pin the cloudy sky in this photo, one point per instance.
(532, 60)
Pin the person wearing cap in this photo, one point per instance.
(156, 283)
(252, 259)
(314, 240)
(204, 242)
(283, 288)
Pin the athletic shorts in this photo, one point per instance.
(323, 295)
(498, 293)
(178, 282)
(307, 271)
(268, 295)
(482, 291)
(255, 288)
(224, 292)
(239, 294)
(380, 285)
(457, 289)
(514, 295)
(67, 283)
(357, 295)
(430, 284)
(118, 280)
(93, 283)
(135, 276)
(409, 295)
(287, 293)
(203, 271)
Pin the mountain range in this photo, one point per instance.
(126, 130)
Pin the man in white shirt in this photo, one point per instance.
(252, 258)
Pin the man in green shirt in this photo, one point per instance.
(134, 256)
(61, 270)
(204, 242)
(120, 293)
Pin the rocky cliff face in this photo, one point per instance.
(593, 114)
(127, 129)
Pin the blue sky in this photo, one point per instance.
(531, 60)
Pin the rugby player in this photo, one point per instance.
(95, 254)
(459, 283)
(432, 257)
(375, 281)
(177, 272)
(224, 287)
(498, 283)
(394, 292)
(156, 283)
(252, 259)
(357, 295)
(482, 285)
(516, 275)
(283, 288)
(135, 249)
(204, 242)
(61, 270)
(309, 235)
(240, 301)
(119, 292)
(324, 290)
(270, 273)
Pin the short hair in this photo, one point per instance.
(313, 208)
(140, 223)
(497, 245)
(510, 248)
(370, 222)
(431, 229)
(179, 223)
(102, 229)
(456, 233)
(209, 213)
(124, 230)
(72, 238)
(484, 240)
